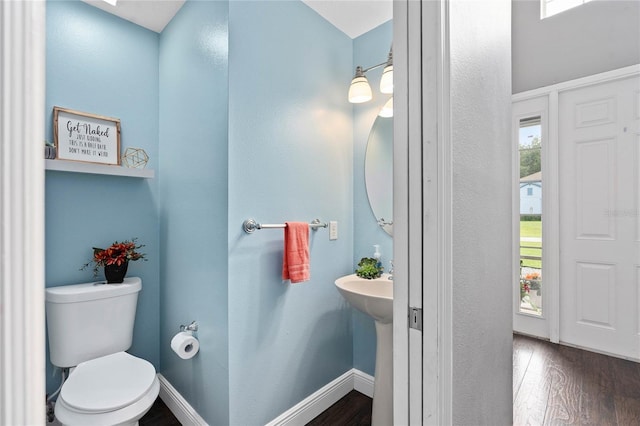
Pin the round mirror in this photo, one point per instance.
(378, 172)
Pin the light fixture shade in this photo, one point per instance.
(386, 82)
(359, 91)
(387, 109)
(111, 2)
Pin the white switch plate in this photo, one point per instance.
(333, 230)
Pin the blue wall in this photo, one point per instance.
(290, 159)
(369, 49)
(100, 64)
(242, 109)
(193, 193)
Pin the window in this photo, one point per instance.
(531, 173)
(553, 7)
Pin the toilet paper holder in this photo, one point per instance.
(191, 327)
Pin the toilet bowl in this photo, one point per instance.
(116, 389)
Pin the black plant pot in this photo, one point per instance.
(115, 273)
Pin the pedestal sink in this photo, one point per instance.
(375, 298)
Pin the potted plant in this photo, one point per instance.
(530, 282)
(115, 259)
(369, 268)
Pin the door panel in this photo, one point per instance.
(599, 217)
(596, 294)
(595, 189)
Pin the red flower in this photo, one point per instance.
(532, 276)
(117, 254)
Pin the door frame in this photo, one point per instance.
(551, 210)
(22, 121)
(422, 241)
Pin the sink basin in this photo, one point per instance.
(373, 297)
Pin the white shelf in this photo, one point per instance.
(97, 169)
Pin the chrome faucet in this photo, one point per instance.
(391, 271)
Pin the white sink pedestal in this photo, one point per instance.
(375, 298)
(382, 414)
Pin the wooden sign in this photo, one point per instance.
(90, 138)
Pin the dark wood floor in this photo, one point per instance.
(559, 385)
(354, 409)
(552, 385)
(159, 415)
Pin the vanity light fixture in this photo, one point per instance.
(111, 2)
(360, 91)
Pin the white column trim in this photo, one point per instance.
(551, 254)
(444, 222)
(400, 213)
(22, 84)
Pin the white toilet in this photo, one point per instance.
(90, 326)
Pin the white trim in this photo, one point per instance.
(363, 383)
(608, 76)
(22, 84)
(313, 405)
(551, 253)
(401, 213)
(444, 178)
(419, 402)
(179, 406)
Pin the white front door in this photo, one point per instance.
(599, 155)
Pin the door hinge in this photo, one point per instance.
(415, 318)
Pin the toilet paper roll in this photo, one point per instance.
(185, 345)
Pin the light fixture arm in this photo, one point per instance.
(389, 61)
(373, 67)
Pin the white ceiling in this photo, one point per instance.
(353, 17)
(151, 14)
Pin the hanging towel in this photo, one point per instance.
(295, 261)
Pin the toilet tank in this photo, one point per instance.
(87, 321)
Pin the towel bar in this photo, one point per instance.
(251, 225)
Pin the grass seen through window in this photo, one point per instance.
(531, 229)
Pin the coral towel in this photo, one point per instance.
(295, 262)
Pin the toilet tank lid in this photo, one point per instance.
(91, 291)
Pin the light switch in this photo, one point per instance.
(333, 230)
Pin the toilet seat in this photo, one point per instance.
(107, 383)
(114, 389)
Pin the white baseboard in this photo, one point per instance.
(363, 383)
(310, 407)
(179, 406)
(298, 415)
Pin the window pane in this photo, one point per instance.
(530, 283)
(552, 7)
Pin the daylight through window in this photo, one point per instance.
(530, 282)
(552, 7)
